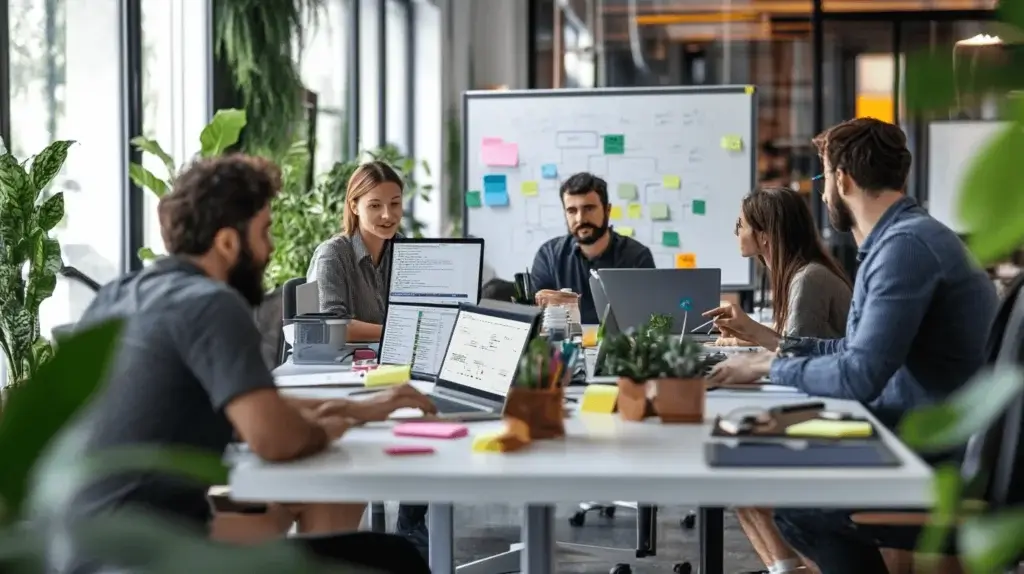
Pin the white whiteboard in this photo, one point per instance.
(678, 151)
(952, 146)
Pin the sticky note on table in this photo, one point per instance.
(624, 231)
(821, 428)
(473, 199)
(529, 188)
(626, 191)
(499, 154)
(686, 260)
(386, 375)
(635, 211)
(670, 182)
(659, 211)
(549, 171)
(616, 213)
(698, 207)
(670, 238)
(614, 144)
(496, 198)
(732, 143)
(599, 399)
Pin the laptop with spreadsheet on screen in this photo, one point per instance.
(427, 281)
(479, 363)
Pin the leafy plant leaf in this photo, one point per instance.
(47, 164)
(968, 411)
(146, 254)
(153, 147)
(34, 413)
(50, 212)
(222, 132)
(1011, 12)
(145, 179)
(14, 183)
(989, 544)
(947, 488)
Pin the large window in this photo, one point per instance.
(397, 73)
(369, 74)
(175, 84)
(324, 69)
(65, 84)
(428, 121)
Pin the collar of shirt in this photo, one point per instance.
(608, 252)
(888, 218)
(363, 252)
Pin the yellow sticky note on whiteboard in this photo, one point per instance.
(529, 188)
(616, 213)
(670, 182)
(686, 260)
(624, 231)
(732, 143)
(635, 211)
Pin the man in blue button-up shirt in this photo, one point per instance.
(566, 262)
(917, 328)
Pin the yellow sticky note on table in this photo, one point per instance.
(599, 399)
(616, 213)
(529, 188)
(822, 428)
(686, 260)
(732, 143)
(635, 211)
(489, 442)
(671, 182)
(659, 211)
(624, 231)
(387, 375)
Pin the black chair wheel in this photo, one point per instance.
(578, 519)
(621, 569)
(689, 522)
(608, 511)
(683, 568)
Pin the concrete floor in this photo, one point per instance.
(485, 530)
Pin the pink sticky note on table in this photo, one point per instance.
(499, 154)
(399, 450)
(431, 430)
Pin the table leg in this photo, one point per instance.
(538, 540)
(646, 530)
(711, 527)
(378, 517)
(442, 538)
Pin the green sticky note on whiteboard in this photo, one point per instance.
(627, 191)
(659, 211)
(670, 238)
(473, 199)
(698, 207)
(614, 144)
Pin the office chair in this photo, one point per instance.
(995, 455)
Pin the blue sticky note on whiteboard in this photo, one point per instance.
(549, 171)
(496, 198)
(496, 183)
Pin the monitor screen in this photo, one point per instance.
(441, 273)
(484, 352)
(417, 336)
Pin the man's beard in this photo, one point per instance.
(595, 233)
(246, 276)
(839, 214)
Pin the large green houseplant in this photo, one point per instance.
(30, 257)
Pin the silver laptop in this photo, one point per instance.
(597, 292)
(594, 363)
(480, 362)
(683, 294)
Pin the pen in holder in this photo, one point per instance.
(538, 396)
(523, 292)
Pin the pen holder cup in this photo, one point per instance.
(542, 410)
(632, 402)
(678, 400)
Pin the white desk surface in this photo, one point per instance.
(601, 458)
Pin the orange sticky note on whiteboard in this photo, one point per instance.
(686, 260)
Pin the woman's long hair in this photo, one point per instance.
(793, 242)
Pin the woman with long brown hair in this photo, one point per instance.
(810, 298)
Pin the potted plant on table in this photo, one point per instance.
(658, 374)
(538, 395)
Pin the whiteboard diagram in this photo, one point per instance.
(677, 161)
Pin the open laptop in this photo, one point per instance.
(637, 294)
(479, 363)
(597, 292)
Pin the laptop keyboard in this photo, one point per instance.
(448, 407)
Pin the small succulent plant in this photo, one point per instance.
(651, 353)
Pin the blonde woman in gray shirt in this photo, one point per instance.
(810, 298)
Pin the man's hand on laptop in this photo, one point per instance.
(546, 297)
(379, 406)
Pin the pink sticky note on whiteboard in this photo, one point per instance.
(499, 154)
(491, 141)
(431, 430)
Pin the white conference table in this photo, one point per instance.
(601, 458)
